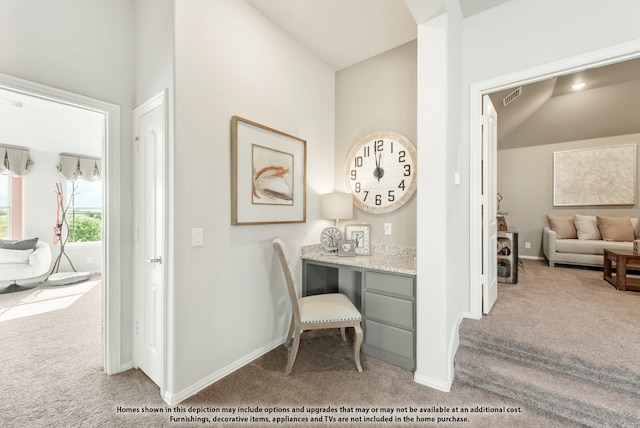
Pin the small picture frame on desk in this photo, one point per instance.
(360, 234)
(346, 248)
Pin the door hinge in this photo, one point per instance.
(137, 328)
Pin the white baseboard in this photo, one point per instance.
(432, 383)
(173, 399)
(531, 257)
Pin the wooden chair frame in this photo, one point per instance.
(299, 321)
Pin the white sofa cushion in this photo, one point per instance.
(14, 256)
(589, 246)
(587, 227)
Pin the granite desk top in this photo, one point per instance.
(383, 258)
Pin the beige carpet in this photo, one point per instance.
(52, 377)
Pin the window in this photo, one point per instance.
(4, 205)
(84, 213)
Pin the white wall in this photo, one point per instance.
(442, 259)
(229, 303)
(39, 214)
(517, 35)
(84, 47)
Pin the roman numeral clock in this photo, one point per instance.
(380, 171)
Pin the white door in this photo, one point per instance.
(489, 203)
(149, 128)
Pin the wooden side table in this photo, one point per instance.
(622, 258)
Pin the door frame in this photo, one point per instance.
(611, 55)
(158, 100)
(111, 241)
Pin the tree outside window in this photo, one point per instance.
(84, 215)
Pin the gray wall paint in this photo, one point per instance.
(525, 180)
(379, 94)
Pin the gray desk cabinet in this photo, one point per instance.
(385, 299)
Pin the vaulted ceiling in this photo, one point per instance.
(343, 32)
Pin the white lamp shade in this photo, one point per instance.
(337, 206)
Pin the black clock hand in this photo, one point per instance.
(378, 172)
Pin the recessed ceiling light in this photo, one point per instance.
(578, 86)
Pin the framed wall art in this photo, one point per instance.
(268, 175)
(359, 233)
(604, 176)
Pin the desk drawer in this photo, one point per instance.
(389, 283)
(391, 310)
(389, 339)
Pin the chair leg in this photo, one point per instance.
(293, 352)
(357, 344)
(343, 334)
(288, 339)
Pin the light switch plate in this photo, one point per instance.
(197, 237)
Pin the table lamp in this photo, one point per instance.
(337, 206)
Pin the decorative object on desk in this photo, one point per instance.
(502, 223)
(360, 233)
(603, 176)
(346, 248)
(337, 206)
(268, 175)
(380, 171)
(329, 238)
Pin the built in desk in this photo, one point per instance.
(382, 286)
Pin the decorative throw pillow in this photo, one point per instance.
(563, 226)
(14, 256)
(587, 227)
(25, 244)
(616, 228)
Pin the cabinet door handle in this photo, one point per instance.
(156, 261)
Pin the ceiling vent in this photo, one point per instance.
(512, 96)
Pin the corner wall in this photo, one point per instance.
(229, 301)
(378, 94)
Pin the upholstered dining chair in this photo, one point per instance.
(323, 311)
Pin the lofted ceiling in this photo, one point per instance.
(550, 111)
(41, 124)
(344, 32)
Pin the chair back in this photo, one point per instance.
(279, 247)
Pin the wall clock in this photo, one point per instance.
(330, 237)
(380, 171)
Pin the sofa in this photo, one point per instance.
(26, 261)
(580, 239)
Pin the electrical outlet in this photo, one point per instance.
(527, 245)
(387, 228)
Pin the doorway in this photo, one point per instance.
(479, 241)
(111, 245)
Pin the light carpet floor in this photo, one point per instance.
(51, 373)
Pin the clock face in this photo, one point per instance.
(330, 237)
(380, 171)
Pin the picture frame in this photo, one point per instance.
(591, 177)
(346, 248)
(502, 223)
(268, 175)
(360, 234)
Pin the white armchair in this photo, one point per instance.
(24, 267)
